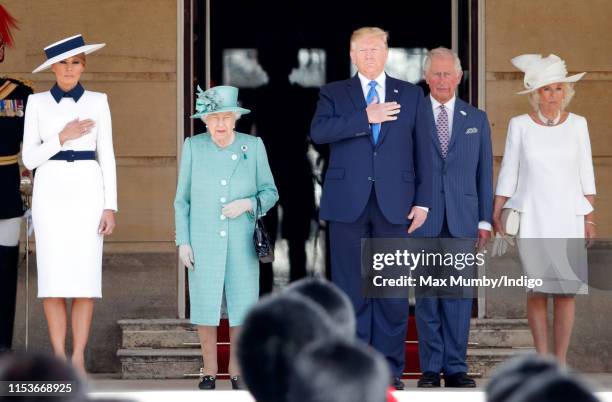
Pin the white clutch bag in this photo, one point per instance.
(511, 219)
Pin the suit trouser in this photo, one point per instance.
(9, 257)
(443, 326)
(380, 322)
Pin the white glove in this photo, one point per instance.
(186, 256)
(236, 208)
(501, 244)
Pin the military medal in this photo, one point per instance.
(9, 107)
(19, 108)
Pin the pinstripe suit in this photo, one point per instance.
(462, 197)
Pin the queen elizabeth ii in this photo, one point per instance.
(222, 174)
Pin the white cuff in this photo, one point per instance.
(484, 225)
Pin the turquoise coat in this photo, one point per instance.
(209, 178)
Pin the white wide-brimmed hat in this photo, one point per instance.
(541, 71)
(66, 48)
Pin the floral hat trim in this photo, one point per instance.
(211, 101)
(207, 101)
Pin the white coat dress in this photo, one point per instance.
(546, 173)
(69, 197)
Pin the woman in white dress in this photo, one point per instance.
(547, 175)
(68, 140)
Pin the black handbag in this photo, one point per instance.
(263, 245)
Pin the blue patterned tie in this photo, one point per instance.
(372, 94)
(443, 131)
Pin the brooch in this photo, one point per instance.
(244, 148)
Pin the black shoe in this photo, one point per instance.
(429, 379)
(398, 384)
(459, 380)
(207, 382)
(236, 382)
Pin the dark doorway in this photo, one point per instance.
(279, 54)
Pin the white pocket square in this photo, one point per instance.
(471, 130)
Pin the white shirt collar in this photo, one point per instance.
(450, 105)
(380, 80)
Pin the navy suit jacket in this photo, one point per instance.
(463, 182)
(398, 167)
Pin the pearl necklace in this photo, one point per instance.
(547, 121)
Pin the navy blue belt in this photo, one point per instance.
(71, 156)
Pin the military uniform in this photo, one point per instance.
(13, 97)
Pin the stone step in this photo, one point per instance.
(161, 363)
(159, 339)
(484, 338)
(507, 338)
(499, 323)
(185, 363)
(483, 362)
(168, 348)
(500, 333)
(162, 324)
(163, 333)
(176, 333)
(155, 324)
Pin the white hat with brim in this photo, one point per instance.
(541, 71)
(66, 48)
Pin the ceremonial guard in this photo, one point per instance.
(13, 96)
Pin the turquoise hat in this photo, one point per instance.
(222, 98)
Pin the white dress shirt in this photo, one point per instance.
(381, 80)
(450, 110)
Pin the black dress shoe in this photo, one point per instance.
(429, 379)
(459, 380)
(207, 382)
(236, 382)
(398, 384)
